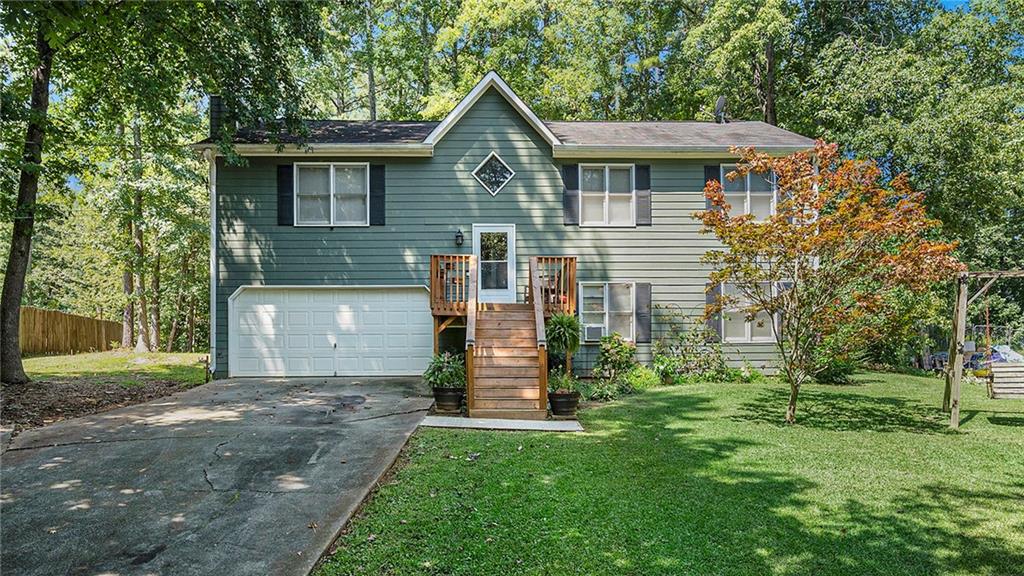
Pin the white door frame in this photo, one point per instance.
(507, 294)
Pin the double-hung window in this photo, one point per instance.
(751, 194)
(607, 308)
(332, 194)
(607, 195)
(735, 326)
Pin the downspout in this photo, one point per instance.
(211, 157)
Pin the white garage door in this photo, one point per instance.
(330, 332)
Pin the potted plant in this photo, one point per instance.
(562, 332)
(446, 374)
(563, 393)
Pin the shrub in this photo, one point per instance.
(690, 356)
(446, 370)
(615, 357)
(638, 378)
(599, 389)
(563, 382)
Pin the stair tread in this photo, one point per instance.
(509, 414)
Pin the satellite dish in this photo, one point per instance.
(720, 110)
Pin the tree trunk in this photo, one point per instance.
(427, 48)
(179, 300)
(371, 62)
(154, 308)
(794, 389)
(769, 84)
(191, 324)
(128, 317)
(11, 369)
(142, 342)
(127, 286)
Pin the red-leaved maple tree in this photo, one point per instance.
(837, 240)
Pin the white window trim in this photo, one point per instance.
(331, 224)
(502, 160)
(604, 328)
(607, 194)
(722, 171)
(748, 325)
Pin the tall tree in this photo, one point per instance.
(140, 56)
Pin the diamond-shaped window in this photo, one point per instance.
(493, 173)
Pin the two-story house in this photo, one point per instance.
(373, 244)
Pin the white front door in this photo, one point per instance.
(494, 246)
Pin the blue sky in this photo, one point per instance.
(951, 4)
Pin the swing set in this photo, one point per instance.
(1006, 379)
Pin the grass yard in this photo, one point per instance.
(69, 386)
(702, 479)
(120, 367)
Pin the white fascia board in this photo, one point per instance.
(324, 150)
(633, 152)
(491, 80)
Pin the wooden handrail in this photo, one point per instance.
(557, 280)
(471, 310)
(471, 304)
(449, 281)
(542, 341)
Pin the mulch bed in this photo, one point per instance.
(42, 402)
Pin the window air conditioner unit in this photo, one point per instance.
(592, 332)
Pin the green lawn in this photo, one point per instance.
(119, 366)
(702, 479)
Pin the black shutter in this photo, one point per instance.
(376, 195)
(711, 173)
(571, 194)
(643, 195)
(643, 312)
(714, 322)
(285, 195)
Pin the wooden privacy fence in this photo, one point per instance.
(53, 332)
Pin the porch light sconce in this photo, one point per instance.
(459, 238)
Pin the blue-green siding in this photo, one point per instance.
(429, 199)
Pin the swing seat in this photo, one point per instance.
(1006, 380)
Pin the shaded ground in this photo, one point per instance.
(704, 479)
(71, 386)
(235, 477)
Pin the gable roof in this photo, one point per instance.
(568, 139)
(490, 80)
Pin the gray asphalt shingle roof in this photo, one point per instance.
(343, 132)
(653, 134)
(689, 134)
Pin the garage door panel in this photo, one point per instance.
(311, 331)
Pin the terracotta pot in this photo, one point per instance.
(564, 404)
(448, 399)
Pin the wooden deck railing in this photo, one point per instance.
(449, 284)
(471, 310)
(556, 280)
(537, 296)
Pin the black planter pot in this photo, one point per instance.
(448, 399)
(564, 404)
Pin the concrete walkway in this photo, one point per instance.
(235, 477)
(502, 424)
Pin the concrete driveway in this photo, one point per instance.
(248, 476)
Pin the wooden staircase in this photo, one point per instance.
(506, 348)
(507, 364)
